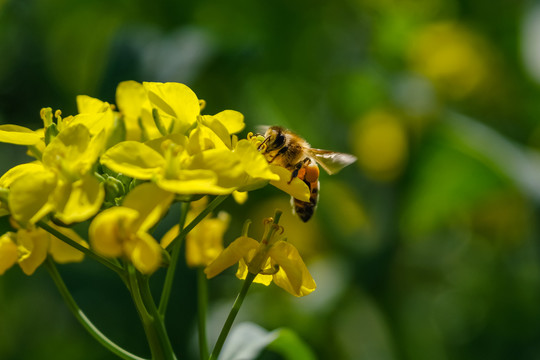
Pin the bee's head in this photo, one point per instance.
(274, 138)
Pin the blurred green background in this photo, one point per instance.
(426, 248)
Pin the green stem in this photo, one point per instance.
(232, 315)
(202, 298)
(169, 277)
(81, 317)
(243, 292)
(34, 151)
(158, 319)
(151, 324)
(108, 263)
(217, 200)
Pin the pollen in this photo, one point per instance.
(312, 173)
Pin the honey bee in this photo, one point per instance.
(286, 149)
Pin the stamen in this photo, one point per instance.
(278, 228)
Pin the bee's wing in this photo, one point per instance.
(331, 161)
(261, 129)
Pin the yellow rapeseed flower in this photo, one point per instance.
(272, 259)
(379, 140)
(453, 57)
(29, 248)
(168, 162)
(123, 230)
(62, 183)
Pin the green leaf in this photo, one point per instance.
(248, 341)
(290, 346)
(447, 180)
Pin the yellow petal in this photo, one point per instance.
(78, 201)
(159, 146)
(8, 252)
(293, 275)
(110, 229)
(151, 202)
(242, 272)
(133, 159)
(19, 135)
(231, 255)
(18, 171)
(74, 151)
(146, 254)
(29, 196)
(228, 168)
(218, 128)
(133, 103)
(203, 138)
(205, 242)
(240, 196)
(170, 236)
(296, 188)
(191, 182)
(232, 120)
(95, 122)
(33, 246)
(63, 253)
(131, 98)
(176, 100)
(254, 163)
(87, 104)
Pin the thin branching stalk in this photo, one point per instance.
(113, 265)
(232, 315)
(243, 292)
(157, 340)
(202, 306)
(81, 317)
(169, 276)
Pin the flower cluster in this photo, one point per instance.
(120, 167)
(101, 181)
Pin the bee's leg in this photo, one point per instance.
(281, 151)
(298, 167)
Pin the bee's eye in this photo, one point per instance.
(278, 141)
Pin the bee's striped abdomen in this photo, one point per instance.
(305, 209)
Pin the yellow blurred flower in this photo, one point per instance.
(205, 241)
(379, 140)
(453, 57)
